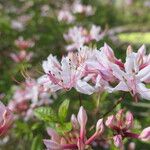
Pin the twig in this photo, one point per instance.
(118, 102)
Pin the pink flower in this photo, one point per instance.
(76, 138)
(78, 36)
(27, 97)
(134, 75)
(6, 119)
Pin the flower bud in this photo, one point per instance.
(118, 141)
(145, 134)
(82, 117)
(110, 121)
(74, 122)
(129, 120)
(100, 126)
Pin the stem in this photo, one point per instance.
(80, 100)
(118, 102)
(70, 146)
(131, 135)
(91, 139)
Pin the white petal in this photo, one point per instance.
(143, 91)
(84, 87)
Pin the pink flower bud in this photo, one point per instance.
(110, 121)
(74, 122)
(129, 120)
(145, 134)
(118, 141)
(100, 126)
(82, 119)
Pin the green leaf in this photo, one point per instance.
(46, 114)
(63, 109)
(63, 128)
(37, 144)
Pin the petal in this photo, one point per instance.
(143, 91)
(51, 145)
(122, 86)
(144, 74)
(53, 134)
(84, 87)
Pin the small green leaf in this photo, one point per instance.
(63, 109)
(63, 128)
(46, 114)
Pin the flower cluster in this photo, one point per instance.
(79, 36)
(27, 97)
(23, 55)
(67, 13)
(121, 125)
(76, 138)
(90, 70)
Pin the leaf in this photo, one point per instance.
(46, 114)
(63, 109)
(63, 128)
(37, 144)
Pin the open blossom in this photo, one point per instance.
(135, 75)
(122, 124)
(62, 75)
(70, 73)
(78, 36)
(6, 118)
(27, 97)
(76, 138)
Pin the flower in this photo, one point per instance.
(78, 36)
(27, 97)
(134, 75)
(76, 138)
(6, 119)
